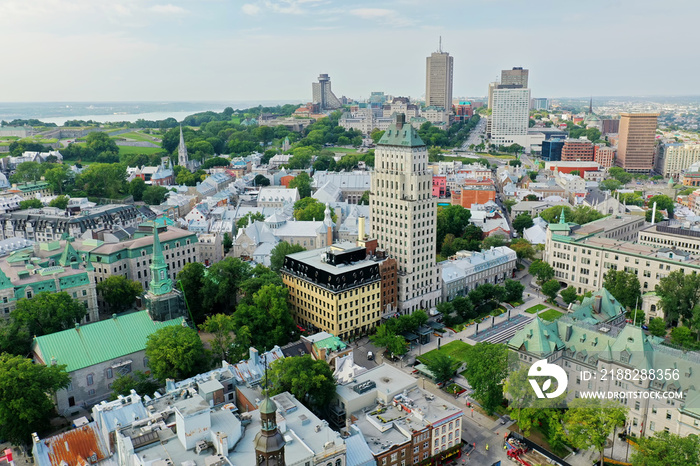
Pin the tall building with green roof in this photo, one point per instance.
(162, 301)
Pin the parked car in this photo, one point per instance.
(370, 355)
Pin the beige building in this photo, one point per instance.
(637, 145)
(438, 80)
(211, 248)
(674, 159)
(582, 255)
(403, 214)
(672, 234)
(517, 76)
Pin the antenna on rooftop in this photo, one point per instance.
(440, 45)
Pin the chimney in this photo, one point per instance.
(254, 358)
(329, 236)
(400, 120)
(597, 304)
(361, 228)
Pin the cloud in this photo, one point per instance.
(372, 13)
(168, 9)
(250, 9)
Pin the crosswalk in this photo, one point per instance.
(503, 331)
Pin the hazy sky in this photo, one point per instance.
(97, 50)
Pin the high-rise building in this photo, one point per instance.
(636, 148)
(510, 115)
(492, 86)
(323, 95)
(539, 103)
(404, 213)
(438, 80)
(675, 158)
(517, 76)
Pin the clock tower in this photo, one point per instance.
(162, 301)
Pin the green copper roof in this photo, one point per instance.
(609, 308)
(401, 134)
(267, 406)
(69, 255)
(99, 342)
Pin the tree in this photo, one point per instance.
(279, 252)
(60, 202)
(551, 288)
(590, 421)
(682, 336)
(620, 174)
(493, 241)
(154, 195)
(515, 163)
(530, 197)
(259, 277)
(514, 291)
(27, 171)
(542, 270)
(102, 180)
(658, 217)
(30, 204)
(386, 337)
(221, 326)
(523, 249)
(553, 214)
(175, 352)
(509, 203)
(223, 281)
(303, 183)
(569, 295)
(442, 367)
(624, 286)
(136, 188)
(452, 219)
(576, 172)
(261, 180)
(521, 222)
(308, 209)
(680, 294)
(665, 449)
(138, 381)
(310, 381)
(249, 219)
(48, 313)
(191, 281)
(364, 200)
(100, 142)
(267, 317)
(487, 379)
(663, 202)
(119, 292)
(376, 135)
(26, 396)
(657, 327)
(610, 185)
(56, 177)
(227, 242)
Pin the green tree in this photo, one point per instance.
(56, 177)
(364, 200)
(487, 379)
(175, 352)
(190, 280)
(584, 214)
(452, 219)
(542, 270)
(522, 222)
(530, 197)
(509, 203)
(138, 381)
(442, 367)
(682, 336)
(281, 250)
(261, 180)
(60, 202)
(27, 171)
(310, 381)
(249, 219)
(665, 449)
(30, 204)
(514, 291)
(224, 278)
(268, 317)
(154, 195)
(589, 422)
(311, 209)
(657, 327)
(663, 202)
(523, 249)
(102, 180)
(119, 292)
(136, 188)
(551, 288)
(659, 217)
(569, 295)
(553, 214)
(303, 183)
(610, 185)
(515, 163)
(100, 142)
(680, 294)
(493, 241)
(386, 337)
(376, 135)
(620, 174)
(624, 286)
(259, 277)
(227, 242)
(26, 396)
(221, 326)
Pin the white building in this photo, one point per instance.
(277, 197)
(468, 269)
(510, 115)
(404, 214)
(674, 159)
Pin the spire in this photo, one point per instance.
(562, 218)
(590, 106)
(182, 158)
(160, 281)
(327, 220)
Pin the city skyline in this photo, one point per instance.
(131, 50)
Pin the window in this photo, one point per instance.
(90, 379)
(652, 426)
(91, 392)
(109, 372)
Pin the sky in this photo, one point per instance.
(219, 50)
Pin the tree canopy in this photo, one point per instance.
(310, 381)
(303, 183)
(487, 379)
(522, 222)
(590, 421)
(175, 352)
(279, 252)
(119, 292)
(266, 314)
(311, 209)
(665, 449)
(680, 296)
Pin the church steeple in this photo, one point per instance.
(182, 158)
(562, 219)
(269, 442)
(160, 281)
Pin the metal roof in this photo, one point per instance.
(91, 344)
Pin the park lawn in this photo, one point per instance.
(130, 150)
(457, 351)
(550, 315)
(134, 136)
(535, 309)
